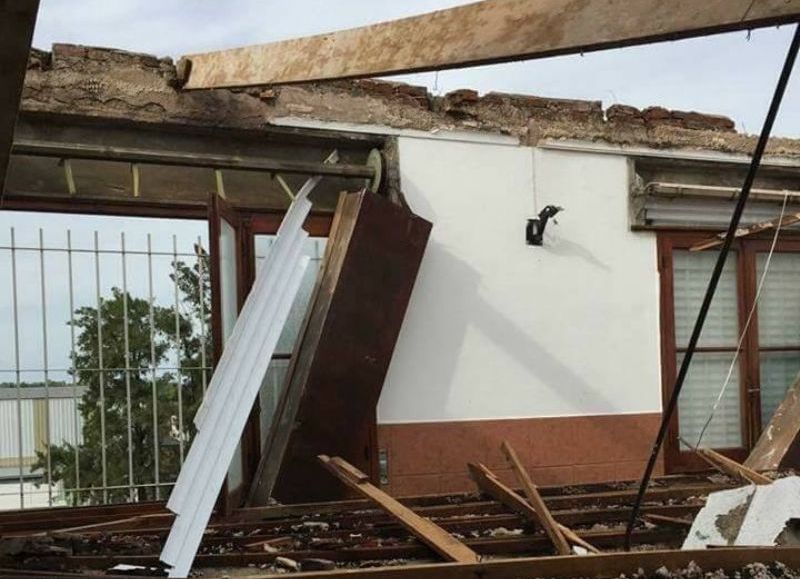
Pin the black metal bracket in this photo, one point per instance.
(534, 232)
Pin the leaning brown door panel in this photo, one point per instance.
(343, 353)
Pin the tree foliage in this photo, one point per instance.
(144, 398)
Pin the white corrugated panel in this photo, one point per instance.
(234, 385)
(684, 212)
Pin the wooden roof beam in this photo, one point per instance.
(485, 32)
(17, 20)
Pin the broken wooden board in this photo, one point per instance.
(535, 499)
(732, 468)
(479, 33)
(343, 351)
(718, 239)
(425, 530)
(778, 447)
(17, 21)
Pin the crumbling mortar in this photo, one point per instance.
(113, 83)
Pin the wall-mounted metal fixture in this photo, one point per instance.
(534, 232)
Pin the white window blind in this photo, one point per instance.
(778, 327)
(691, 272)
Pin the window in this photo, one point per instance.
(770, 357)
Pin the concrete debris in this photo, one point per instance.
(748, 516)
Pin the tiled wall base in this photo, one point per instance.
(431, 457)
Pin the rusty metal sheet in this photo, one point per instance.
(480, 33)
(17, 19)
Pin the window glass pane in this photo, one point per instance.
(700, 390)
(778, 372)
(779, 304)
(270, 392)
(691, 272)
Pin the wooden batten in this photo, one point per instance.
(343, 351)
(479, 33)
(426, 531)
(778, 447)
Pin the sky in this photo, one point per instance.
(732, 74)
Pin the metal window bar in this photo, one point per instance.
(67, 422)
(46, 373)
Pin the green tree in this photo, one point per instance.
(154, 390)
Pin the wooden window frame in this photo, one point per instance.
(675, 458)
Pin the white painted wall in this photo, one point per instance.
(500, 329)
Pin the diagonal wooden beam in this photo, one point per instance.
(732, 468)
(17, 20)
(717, 240)
(479, 33)
(545, 518)
(488, 482)
(426, 531)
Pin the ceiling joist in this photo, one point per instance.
(485, 32)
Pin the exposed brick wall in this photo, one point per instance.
(100, 82)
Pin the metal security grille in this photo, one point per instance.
(104, 359)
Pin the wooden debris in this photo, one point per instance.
(426, 531)
(488, 482)
(717, 240)
(732, 468)
(778, 447)
(663, 519)
(575, 539)
(544, 517)
(269, 544)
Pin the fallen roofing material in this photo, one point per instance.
(748, 516)
(778, 446)
(234, 386)
(479, 33)
(354, 533)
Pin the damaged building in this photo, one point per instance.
(380, 313)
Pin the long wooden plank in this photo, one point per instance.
(480, 33)
(545, 517)
(491, 485)
(717, 240)
(426, 531)
(605, 565)
(778, 446)
(17, 20)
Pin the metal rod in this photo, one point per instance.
(153, 385)
(758, 153)
(101, 378)
(178, 348)
(171, 158)
(46, 370)
(201, 293)
(126, 343)
(100, 251)
(74, 373)
(15, 299)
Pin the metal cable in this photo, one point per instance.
(758, 153)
